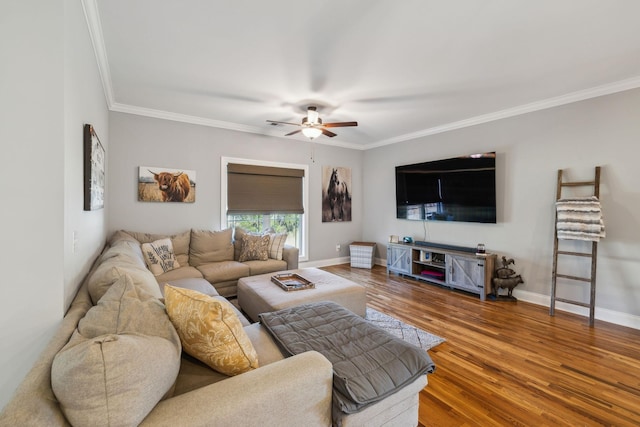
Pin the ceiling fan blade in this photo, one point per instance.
(283, 123)
(340, 124)
(328, 133)
(294, 132)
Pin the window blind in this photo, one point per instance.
(262, 189)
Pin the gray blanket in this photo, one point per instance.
(369, 364)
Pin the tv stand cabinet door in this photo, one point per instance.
(466, 273)
(398, 259)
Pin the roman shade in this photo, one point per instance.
(255, 189)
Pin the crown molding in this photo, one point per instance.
(195, 120)
(608, 89)
(92, 16)
(581, 95)
(185, 118)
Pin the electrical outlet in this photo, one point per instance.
(338, 247)
(74, 247)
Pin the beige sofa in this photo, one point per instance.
(163, 385)
(214, 256)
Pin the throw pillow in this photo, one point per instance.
(276, 245)
(180, 242)
(159, 256)
(120, 362)
(254, 248)
(238, 234)
(210, 331)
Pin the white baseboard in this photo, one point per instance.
(604, 314)
(325, 262)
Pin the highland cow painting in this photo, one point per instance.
(156, 184)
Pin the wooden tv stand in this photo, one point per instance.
(444, 265)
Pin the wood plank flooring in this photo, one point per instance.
(510, 363)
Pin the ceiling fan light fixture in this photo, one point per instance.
(311, 132)
(312, 115)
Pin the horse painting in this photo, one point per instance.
(336, 197)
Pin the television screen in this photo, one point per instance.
(458, 189)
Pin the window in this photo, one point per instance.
(279, 222)
(258, 195)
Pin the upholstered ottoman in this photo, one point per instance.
(258, 294)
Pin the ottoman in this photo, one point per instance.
(258, 294)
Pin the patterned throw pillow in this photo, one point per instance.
(210, 331)
(254, 248)
(159, 256)
(276, 245)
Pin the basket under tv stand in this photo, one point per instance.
(456, 267)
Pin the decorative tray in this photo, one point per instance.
(291, 282)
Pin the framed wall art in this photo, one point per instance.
(156, 184)
(336, 194)
(94, 170)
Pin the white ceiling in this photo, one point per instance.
(401, 68)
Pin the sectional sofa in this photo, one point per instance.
(124, 353)
(216, 256)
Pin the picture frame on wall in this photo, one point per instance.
(160, 184)
(336, 194)
(94, 169)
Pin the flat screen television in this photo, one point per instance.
(457, 189)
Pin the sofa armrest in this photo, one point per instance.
(291, 254)
(295, 391)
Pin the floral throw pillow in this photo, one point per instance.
(210, 331)
(254, 248)
(159, 256)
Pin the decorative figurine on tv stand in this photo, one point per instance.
(506, 278)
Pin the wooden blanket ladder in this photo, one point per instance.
(593, 254)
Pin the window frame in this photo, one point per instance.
(304, 223)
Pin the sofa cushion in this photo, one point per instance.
(159, 256)
(268, 266)
(210, 246)
(210, 331)
(127, 308)
(195, 284)
(254, 248)
(180, 243)
(126, 252)
(276, 245)
(223, 271)
(183, 272)
(122, 236)
(120, 362)
(107, 273)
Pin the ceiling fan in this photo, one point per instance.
(312, 125)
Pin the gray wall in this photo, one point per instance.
(50, 87)
(141, 141)
(530, 149)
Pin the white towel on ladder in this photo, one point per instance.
(580, 218)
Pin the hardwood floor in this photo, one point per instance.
(510, 363)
